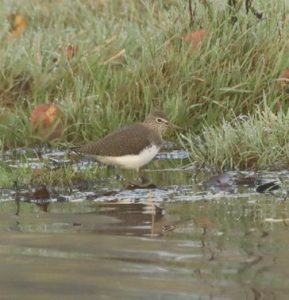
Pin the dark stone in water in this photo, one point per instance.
(224, 182)
(76, 224)
(221, 180)
(62, 199)
(133, 186)
(229, 181)
(268, 187)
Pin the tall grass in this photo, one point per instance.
(257, 141)
(132, 58)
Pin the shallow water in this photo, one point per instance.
(182, 240)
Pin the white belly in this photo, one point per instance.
(131, 161)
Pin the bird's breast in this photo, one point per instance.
(131, 161)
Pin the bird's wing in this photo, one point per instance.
(129, 140)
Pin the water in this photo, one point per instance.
(181, 240)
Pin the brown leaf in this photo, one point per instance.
(41, 193)
(19, 24)
(196, 37)
(71, 51)
(47, 121)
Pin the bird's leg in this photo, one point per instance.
(142, 182)
(142, 178)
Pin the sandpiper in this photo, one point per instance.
(130, 147)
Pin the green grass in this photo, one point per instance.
(258, 141)
(132, 59)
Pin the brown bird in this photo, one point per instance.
(130, 147)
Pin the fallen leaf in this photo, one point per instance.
(71, 51)
(196, 37)
(47, 121)
(41, 193)
(19, 24)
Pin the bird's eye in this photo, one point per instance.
(159, 120)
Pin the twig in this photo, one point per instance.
(192, 13)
